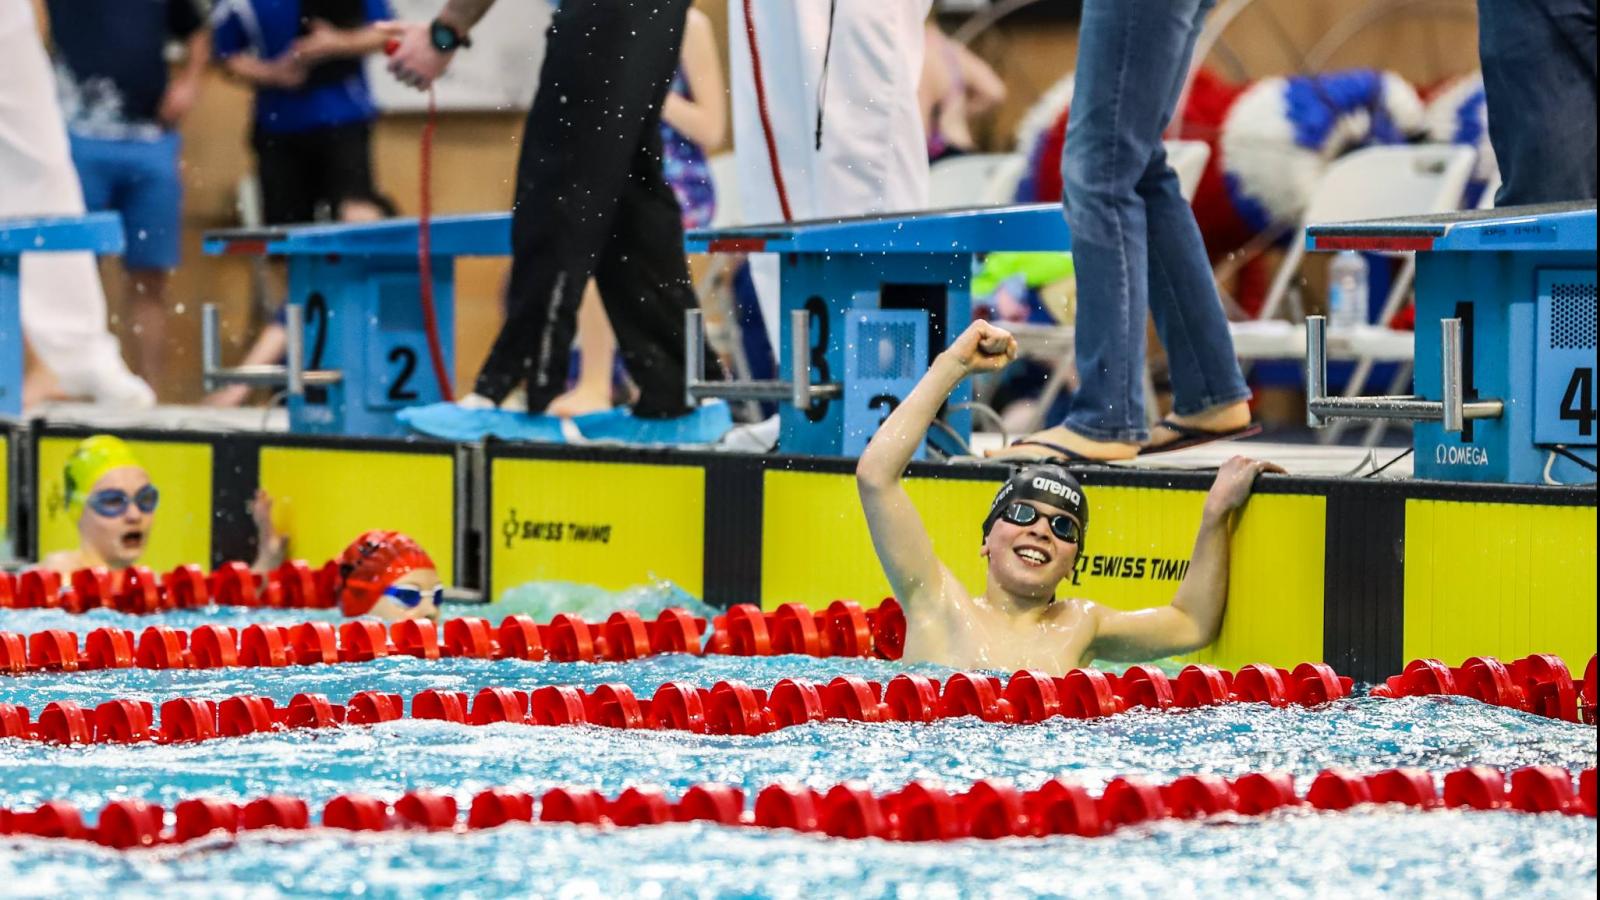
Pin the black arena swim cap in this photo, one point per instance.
(1044, 483)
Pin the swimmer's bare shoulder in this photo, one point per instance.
(934, 614)
(64, 561)
(1076, 619)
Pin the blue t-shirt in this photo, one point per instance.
(111, 67)
(335, 92)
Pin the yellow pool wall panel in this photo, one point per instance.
(611, 525)
(322, 499)
(1499, 579)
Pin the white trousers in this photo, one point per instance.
(873, 157)
(63, 303)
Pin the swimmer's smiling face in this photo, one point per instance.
(1030, 560)
(119, 540)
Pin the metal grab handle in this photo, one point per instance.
(1451, 411)
(800, 359)
(1450, 390)
(1316, 367)
(798, 390)
(292, 376)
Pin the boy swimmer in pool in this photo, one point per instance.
(114, 501)
(1031, 538)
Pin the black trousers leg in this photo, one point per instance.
(644, 281)
(606, 70)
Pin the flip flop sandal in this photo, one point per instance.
(1059, 454)
(1195, 437)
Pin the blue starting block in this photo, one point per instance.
(363, 352)
(95, 233)
(835, 274)
(1512, 363)
(356, 288)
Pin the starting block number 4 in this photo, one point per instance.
(1565, 401)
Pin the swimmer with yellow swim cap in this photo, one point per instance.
(1032, 537)
(112, 498)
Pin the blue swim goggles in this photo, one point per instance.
(113, 502)
(411, 597)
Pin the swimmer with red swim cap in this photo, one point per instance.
(1032, 538)
(386, 574)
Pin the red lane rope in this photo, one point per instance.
(430, 318)
(916, 812)
(842, 630)
(728, 708)
(766, 118)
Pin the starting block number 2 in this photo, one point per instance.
(393, 347)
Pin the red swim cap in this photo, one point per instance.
(370, 564)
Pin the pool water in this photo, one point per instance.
(1365, 852)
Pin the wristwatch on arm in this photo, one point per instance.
(445, 38)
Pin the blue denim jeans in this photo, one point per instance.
(1539, 79)
(1135, 243)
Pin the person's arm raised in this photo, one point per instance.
(1194, 618)
(898, 535)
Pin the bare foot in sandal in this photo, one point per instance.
(1062, 443)
(1228, 421)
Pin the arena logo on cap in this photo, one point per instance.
(1040, 483)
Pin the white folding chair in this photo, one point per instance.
(970, 179)
(1376, 183)
(1486, 201)
(1188, 159)
(1003, 180)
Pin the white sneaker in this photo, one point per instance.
(122, 389)
(475, 401)
(761, 437)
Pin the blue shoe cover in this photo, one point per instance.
(456, 423)
(705, 425)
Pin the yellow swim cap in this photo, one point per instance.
(94, 457)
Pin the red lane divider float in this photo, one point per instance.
(295, 584)
(843, 629)
(1540, 684)
(744, 631)
(728, 707)
(917, 812)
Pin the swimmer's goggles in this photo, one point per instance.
(411, 597)
(1063, 526)
(113, 502)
